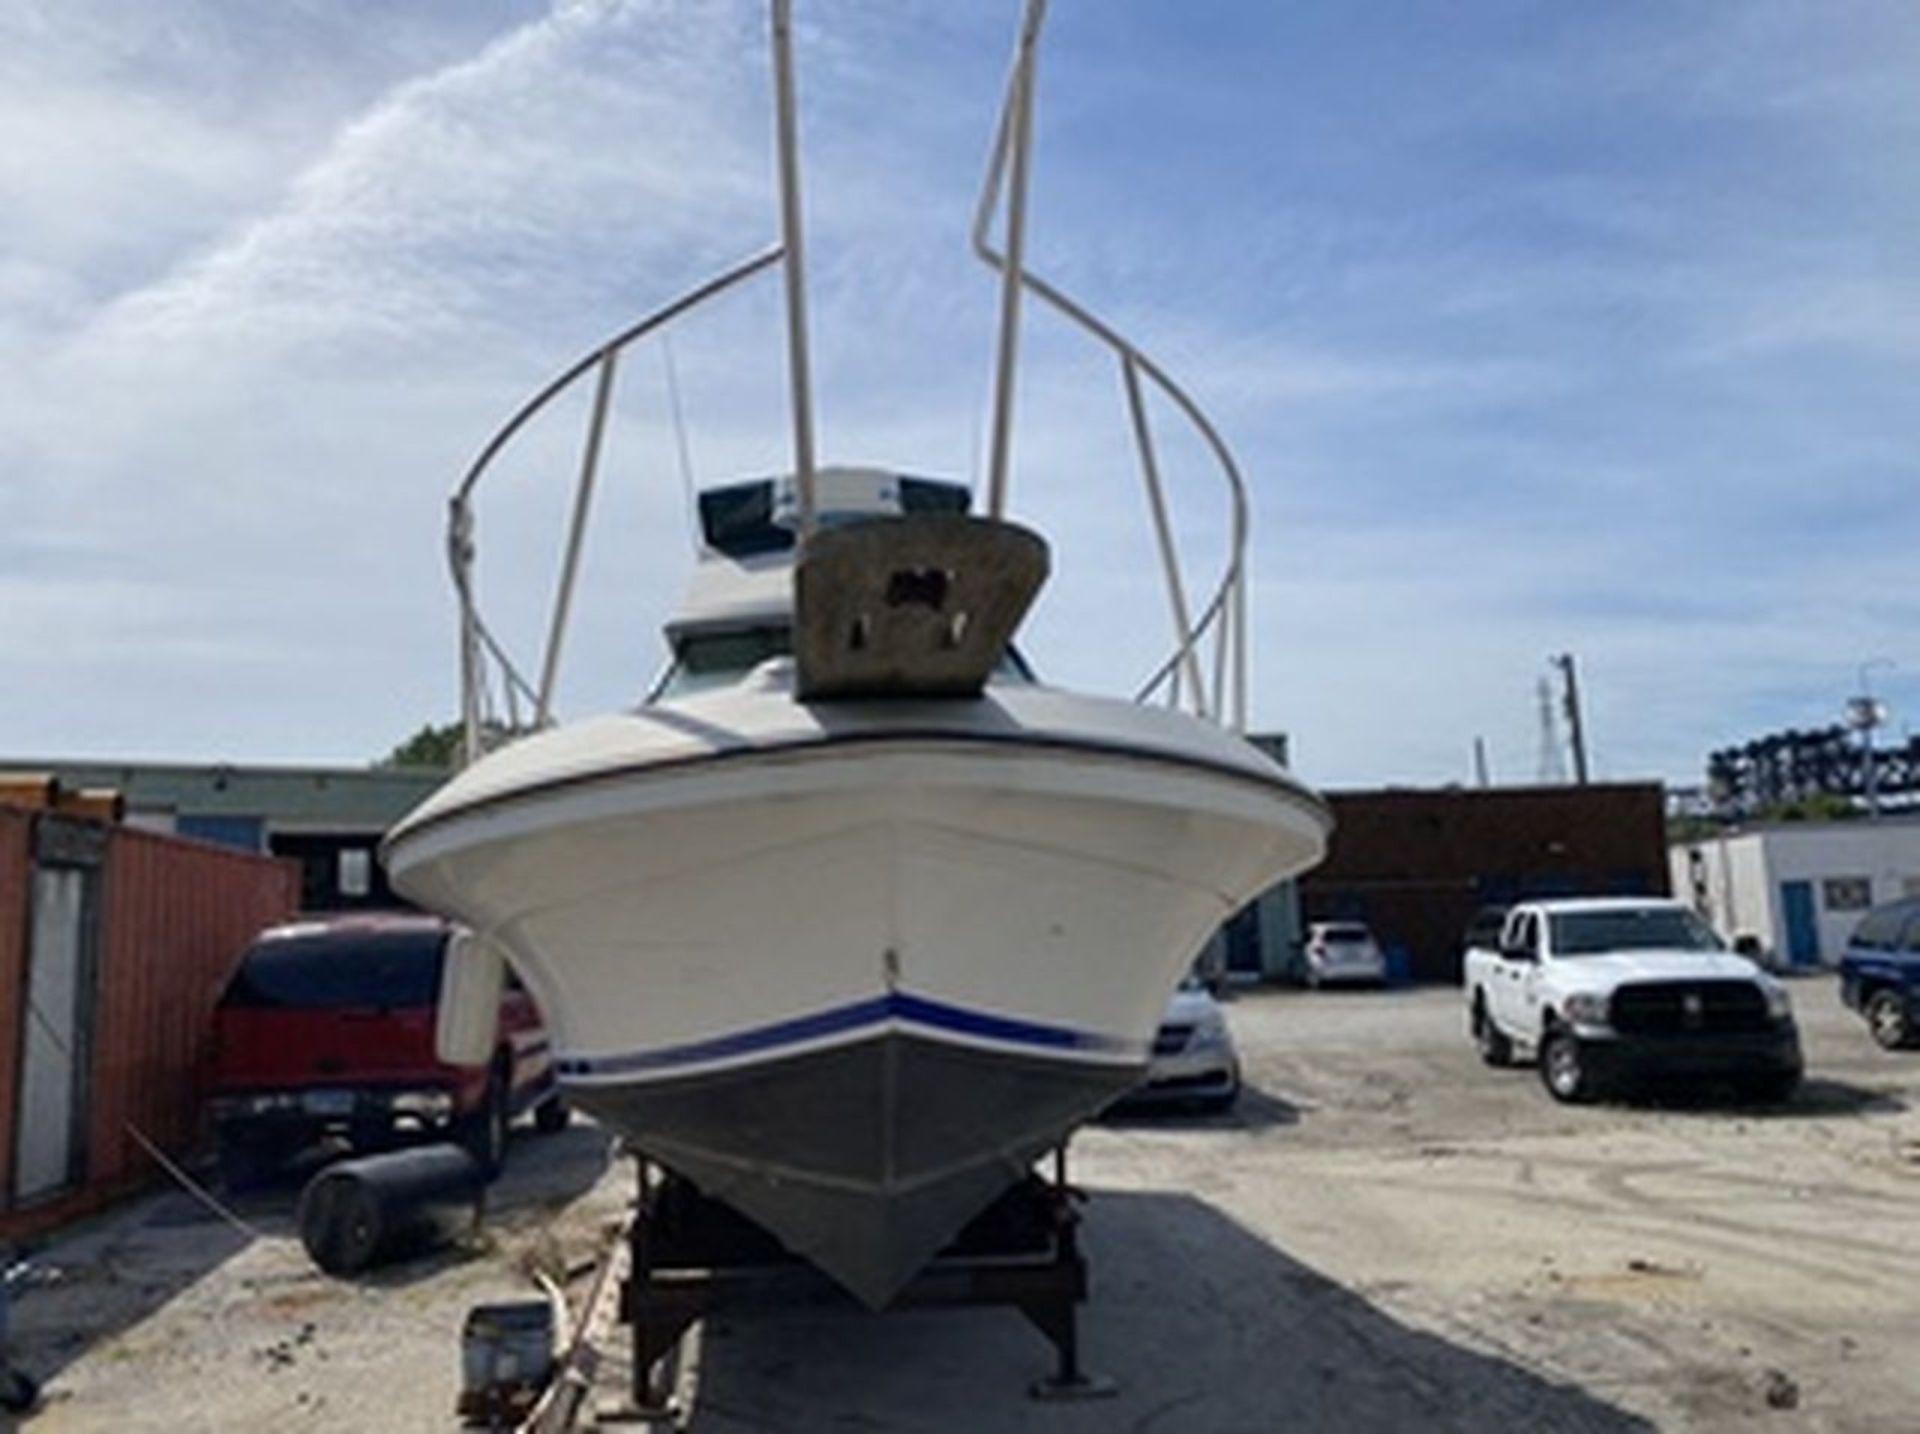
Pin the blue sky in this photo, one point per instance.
(1536, 327)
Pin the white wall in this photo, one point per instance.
(1885, 853)
(1743, 872)
(1739, 901)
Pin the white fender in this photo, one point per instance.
(471, 978)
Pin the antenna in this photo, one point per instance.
(682, 448)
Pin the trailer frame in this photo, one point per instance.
(688, 1255)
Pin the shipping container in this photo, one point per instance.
(114, 945)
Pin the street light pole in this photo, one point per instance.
(1866, 713)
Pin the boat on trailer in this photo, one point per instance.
(853, 918)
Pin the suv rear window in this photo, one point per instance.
(381, 969)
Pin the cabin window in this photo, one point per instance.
(719, 659)
(706, 660)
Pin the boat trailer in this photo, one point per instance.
(681, 1256)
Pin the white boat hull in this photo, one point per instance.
(858, 983)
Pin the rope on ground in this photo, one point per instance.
(191, 1186)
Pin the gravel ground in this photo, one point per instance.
(1385, 1235)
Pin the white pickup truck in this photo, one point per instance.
(1613, 991)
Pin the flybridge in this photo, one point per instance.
(763, 515)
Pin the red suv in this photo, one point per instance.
(327, 1028)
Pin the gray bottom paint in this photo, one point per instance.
(868, 1158)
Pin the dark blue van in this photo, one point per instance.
(1880, 972)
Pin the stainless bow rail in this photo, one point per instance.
(498, 702)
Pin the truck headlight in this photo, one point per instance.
(1779, 1003)
(1587, 1008)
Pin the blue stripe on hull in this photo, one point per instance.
(895, 1005)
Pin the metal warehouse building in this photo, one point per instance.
(328, 819)
(114, 945)
(1798, 886)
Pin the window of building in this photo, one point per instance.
(1846, 893)
(355, 871)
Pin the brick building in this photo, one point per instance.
(1416, 864)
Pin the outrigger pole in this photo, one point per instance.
(1018, 141)
(798, 374)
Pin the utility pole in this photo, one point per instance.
(1551, 768)
(1480, 761)
(1576, 730)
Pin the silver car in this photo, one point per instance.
(1194, 1062)
(1343, 953)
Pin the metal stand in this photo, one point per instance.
(691, 1255)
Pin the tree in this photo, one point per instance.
(1814, 807)
(431, 746)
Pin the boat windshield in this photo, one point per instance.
(1632, 928)
(705, 660)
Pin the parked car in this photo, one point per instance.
(326, 1028)
(1343, 953)
(1880, 972)
(1194, 1062)
(1607, 991)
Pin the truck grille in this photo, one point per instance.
(1170, 1039)
(1688, 1007)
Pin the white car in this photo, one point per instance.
(1343, 953)
(1194, 1062)
(1627, 990)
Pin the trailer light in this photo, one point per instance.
(264, 1103)
(427, 1104)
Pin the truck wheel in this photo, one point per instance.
(551, 1115)
(1495, 1048)
(18, 1392)
(1563, 1067)
(1887, 1020)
